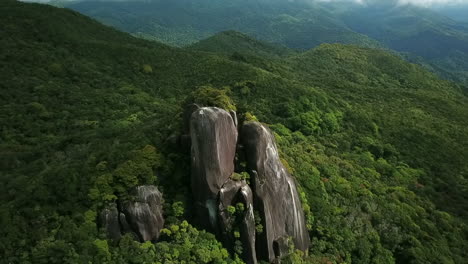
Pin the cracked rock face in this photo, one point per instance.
(109, 220)
(275, 194)
(142, 217)
(145, 214)
(214, 137)
(232, 193)
(248, 226)
(228, 196)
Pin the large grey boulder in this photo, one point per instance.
(144, 214)
(275, 194)
(214, 137)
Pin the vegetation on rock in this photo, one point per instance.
(377, 145)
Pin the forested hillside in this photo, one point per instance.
(429, 37)
(440, 41)
(378, 146)
(229, 42)
(456, 12)
(294, 24)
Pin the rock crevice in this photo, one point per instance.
(226, 203)
(142, 217)
(272, 193)
(275, 193)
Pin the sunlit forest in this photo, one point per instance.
(375, 137)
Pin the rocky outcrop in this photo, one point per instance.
(228, 196)
(232, 193)
(109, 220)
(145, 214)
(275, 194)
(213, 134)
(214, 137)
(248, 225)
(141, 217)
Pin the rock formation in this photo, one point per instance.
(214, 137)
(213, 133)
(232, 193)
(109, 220)
(145, 214)
(248, 225)
(142, 217)
(275, 194)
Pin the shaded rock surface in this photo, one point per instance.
(145, 213)
(281, 247)
(109, 220)
(248, 226)
(142, 217)
(232, 193)
(213, 133)
(214, 137)
(228, 196)
(187, 116)
(275, 194)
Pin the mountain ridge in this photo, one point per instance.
(234, 41)
(376, 145)
(299, 25)
(206, 18)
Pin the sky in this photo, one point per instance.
(415, 2)
(432, 2)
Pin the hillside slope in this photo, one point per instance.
(439, 40)
(430, 38)
(228, 42)
(457, 12)
(377, 145)
(296, 25)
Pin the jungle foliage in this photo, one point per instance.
(425, 36)
(378, 146)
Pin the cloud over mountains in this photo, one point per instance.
(398, 2)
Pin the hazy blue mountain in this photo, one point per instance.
(457, 12)
(409, 29)
(295, 24)
(441, 42)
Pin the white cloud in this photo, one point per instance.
(404, 2)
(401, 2)
(432, 2)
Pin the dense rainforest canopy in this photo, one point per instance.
(436, 38)
(378, 145)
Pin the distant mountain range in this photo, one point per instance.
(424, 36)
(297, 25)
(456, 12)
